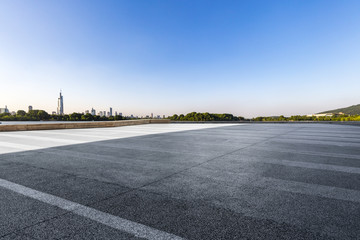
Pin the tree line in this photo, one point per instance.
(339, 118)
(195, 116)
(41, 115)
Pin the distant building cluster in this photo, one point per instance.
(324, 114)
(104, 113)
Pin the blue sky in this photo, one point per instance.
(249, 58)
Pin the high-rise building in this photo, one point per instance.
(110, 113)
(152, 115)
(120, 114)
(115, 113)
(60, 108)
(93, 112)
(30, 108)
(4, 110)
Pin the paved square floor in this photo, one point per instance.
(182, 181)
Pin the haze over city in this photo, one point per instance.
(248, 58)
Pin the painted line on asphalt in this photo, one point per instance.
(45, 139)
(308, 189)
(304, 152)
(16, 145)
(318, 142)
(319, 166)
(137, 229)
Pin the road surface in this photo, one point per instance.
(182, 181)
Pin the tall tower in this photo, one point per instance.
(60, 108)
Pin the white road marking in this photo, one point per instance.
(308, 189)
(33, 140)
(137, 229)
(320, 166)
(304, 152)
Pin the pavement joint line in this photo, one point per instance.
(124, 225)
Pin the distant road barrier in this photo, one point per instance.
(75, 125)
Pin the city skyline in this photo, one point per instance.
(60, 110)
(249, 59)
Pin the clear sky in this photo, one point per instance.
(249, 58)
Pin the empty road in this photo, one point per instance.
(182, 181)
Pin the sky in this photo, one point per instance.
(248, 58)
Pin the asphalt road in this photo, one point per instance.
(182, 181)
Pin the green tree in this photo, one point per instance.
(42, 115)
(21, 113)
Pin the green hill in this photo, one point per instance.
(352, 110)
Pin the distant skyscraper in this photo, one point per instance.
(30, 108)
(110, 113)
(152, 115)
(93, 112)
(115, 113)
(120, 114)
(60, 108)
(4, 110)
